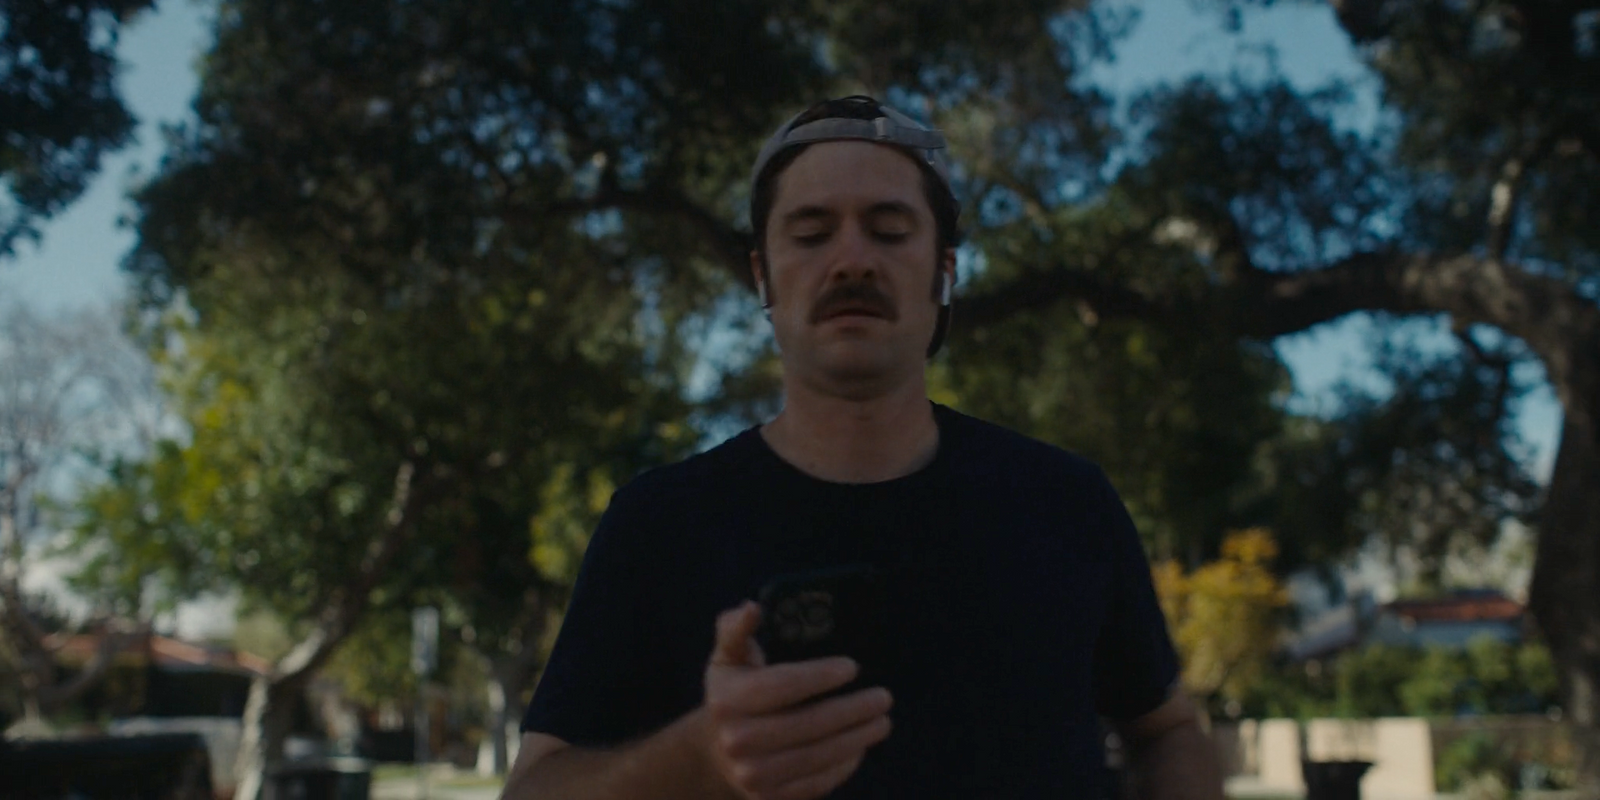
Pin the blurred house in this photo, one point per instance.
(158, 676)
(158, 685)
(1449, 621)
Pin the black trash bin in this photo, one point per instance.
(322, 779)
(1334, 780)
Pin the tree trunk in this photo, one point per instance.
(268, 716)
(270, 710)
(35, 667)
(1565, 591)
(499, 717)
(510, 675)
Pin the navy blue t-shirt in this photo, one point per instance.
(1019, 603)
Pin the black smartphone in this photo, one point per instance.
(837, 611)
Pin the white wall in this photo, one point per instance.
(1400, 750)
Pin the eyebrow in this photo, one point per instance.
(813, 212)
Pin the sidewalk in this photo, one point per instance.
(1246, 787)
(444, 783)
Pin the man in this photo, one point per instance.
(1019, 607)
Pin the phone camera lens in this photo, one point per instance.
(817, 615)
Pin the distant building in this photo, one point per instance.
(1449, 621)
(158, 676)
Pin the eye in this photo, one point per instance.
(891, 237)
(809, 239)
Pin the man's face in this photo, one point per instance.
(851, 252)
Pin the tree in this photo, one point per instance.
(1224, 617)
(1480, 207)
(381, 367)
(72, 391)
(59, 108)
(343, 466)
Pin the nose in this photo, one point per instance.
(856, 256)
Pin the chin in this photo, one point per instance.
(850, 365)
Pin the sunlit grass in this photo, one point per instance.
(408, 772)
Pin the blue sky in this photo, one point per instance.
(76, 264)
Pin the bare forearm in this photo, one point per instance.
(668, 764)
(1179, 764)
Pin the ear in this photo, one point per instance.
(758, 275)
(947, 266)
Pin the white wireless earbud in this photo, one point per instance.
(761, 292)
(944, 294)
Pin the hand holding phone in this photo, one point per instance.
(767, 733)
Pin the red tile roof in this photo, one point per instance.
(1465, 607)
(162, 650)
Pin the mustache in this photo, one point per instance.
(858, 296)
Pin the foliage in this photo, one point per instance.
(1470, 758)
(59, 107)
(372, 670)
(261, 634)
(1486, 677)
(379, 368)
(1430, 462)
(569, 510)
(1483, 92)
(1176, 420)
(1487, 762)
(357, 450)
(374, 665)
(362, 175)
(1224, 615)
(297, 436)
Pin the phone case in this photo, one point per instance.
(828, 612)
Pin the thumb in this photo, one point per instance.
(736, 629)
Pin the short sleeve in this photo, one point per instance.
(600, 686)
(1135, 665)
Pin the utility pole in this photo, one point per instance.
(424, 659)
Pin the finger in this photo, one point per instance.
(818, 785)
(735, 629)
(774, 688)
(758, 657)
(811, 723)
(816, 758)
